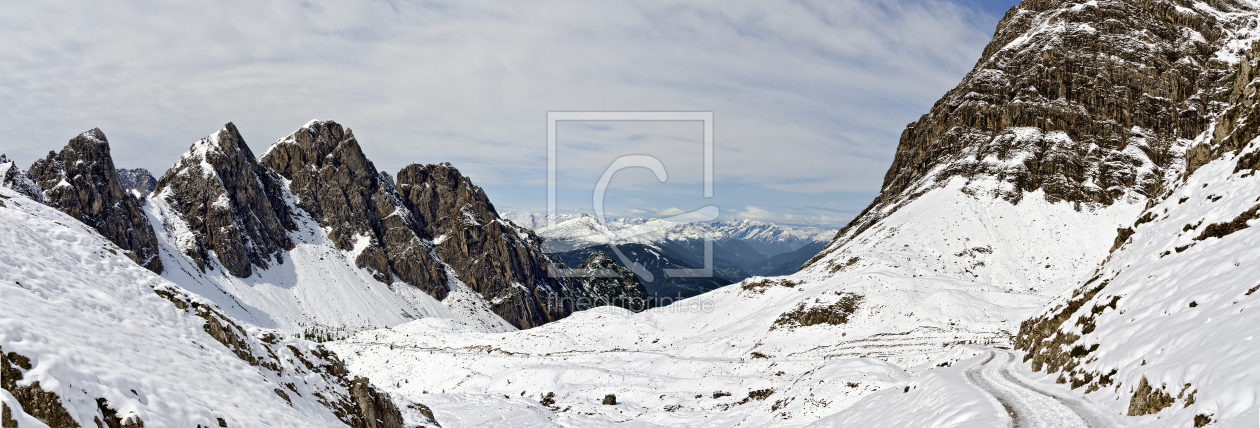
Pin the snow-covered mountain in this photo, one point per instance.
(310, 237)
(569, 231)
(308, 240)
(1166, 325)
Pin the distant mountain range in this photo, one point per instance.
(741, 248)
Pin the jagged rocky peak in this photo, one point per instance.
(502, 262)
(1092, 103)
(137, 179)
(12, 177)
(233, 206)
(81, 181)
(342, 190)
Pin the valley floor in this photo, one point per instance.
(559, 382)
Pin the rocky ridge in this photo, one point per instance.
(1192, 231)
(1091, 103)
(219, 205)
(82, 182)
(432, 229)
(326, 170)
(1136, 111)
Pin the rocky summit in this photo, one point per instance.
(497, 259)
(81, 181)
(341, 189)
(231, 204)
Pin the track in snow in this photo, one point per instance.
(1030, 406)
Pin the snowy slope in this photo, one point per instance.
(1177, 306)
(86, 323)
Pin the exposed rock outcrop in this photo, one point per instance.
(35, 401)
(375, 408)
(354, 401)
(498, 260)
(12, 177)
(1237, 126)
(232, 204)
(343, 191)
(82, 182)
(137, 179)
(622, 288)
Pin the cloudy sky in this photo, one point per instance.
(808, 97)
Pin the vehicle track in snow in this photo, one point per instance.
(1030, 406)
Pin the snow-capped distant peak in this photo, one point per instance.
(587, 229)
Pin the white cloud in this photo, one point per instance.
(670, 212)
(755, 213)
(808, 96)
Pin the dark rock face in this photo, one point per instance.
(232, 204)
(81, 181)
(344, 192)
(137, 179)
(1115, 75)
(622, 290)
(1087, 102)
(12, 177)
(502, 262)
